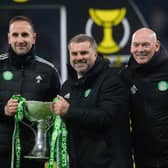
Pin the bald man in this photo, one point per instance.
(146, 75)
(144, 45)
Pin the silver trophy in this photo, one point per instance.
(40, 113)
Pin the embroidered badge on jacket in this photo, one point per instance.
(162, 85)
(87, 92)
(7, 75)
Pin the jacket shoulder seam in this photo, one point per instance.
(44, 61)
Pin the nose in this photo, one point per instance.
(79, 56)
(20, 39)
(140, 48)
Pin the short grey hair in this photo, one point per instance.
(83, 38)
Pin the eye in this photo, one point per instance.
(146, 44)
(74, 53)
(83, 52)
(135, 44)
(25, 34)
(14, 34)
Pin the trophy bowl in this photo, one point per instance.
(40, 113)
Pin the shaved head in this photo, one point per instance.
(144, 45)
(145, 31)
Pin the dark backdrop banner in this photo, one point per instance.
(111, 23)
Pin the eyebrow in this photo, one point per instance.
(80, 52)
(22, 34)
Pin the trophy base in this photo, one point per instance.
(36, 157)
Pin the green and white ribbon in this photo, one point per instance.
(16, 146)
(58, 144)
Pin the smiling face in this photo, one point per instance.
(21, 37)
(144, 45)
(82, 57)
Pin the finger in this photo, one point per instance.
(60, 98)
(10, 112)
(11, 103)
(12, 100)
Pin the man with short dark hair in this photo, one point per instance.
(22, 73)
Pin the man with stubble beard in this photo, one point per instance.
(93, 102)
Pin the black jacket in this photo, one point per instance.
(97, 119)
(148, 86)
(31, 77)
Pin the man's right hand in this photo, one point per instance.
(10, 107)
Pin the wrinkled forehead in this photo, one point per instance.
(79, 46)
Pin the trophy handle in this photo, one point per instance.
(51, 122)
(30, 127)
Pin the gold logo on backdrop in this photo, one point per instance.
(107, 18)
(20, 1)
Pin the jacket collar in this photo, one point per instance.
(18, 60)
(158, 59)
(91, 74)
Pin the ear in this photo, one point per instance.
(34, 37)
(96, 54)
(157, 46)
(8, 38)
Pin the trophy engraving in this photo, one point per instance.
(107, 18)
(40, 113)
